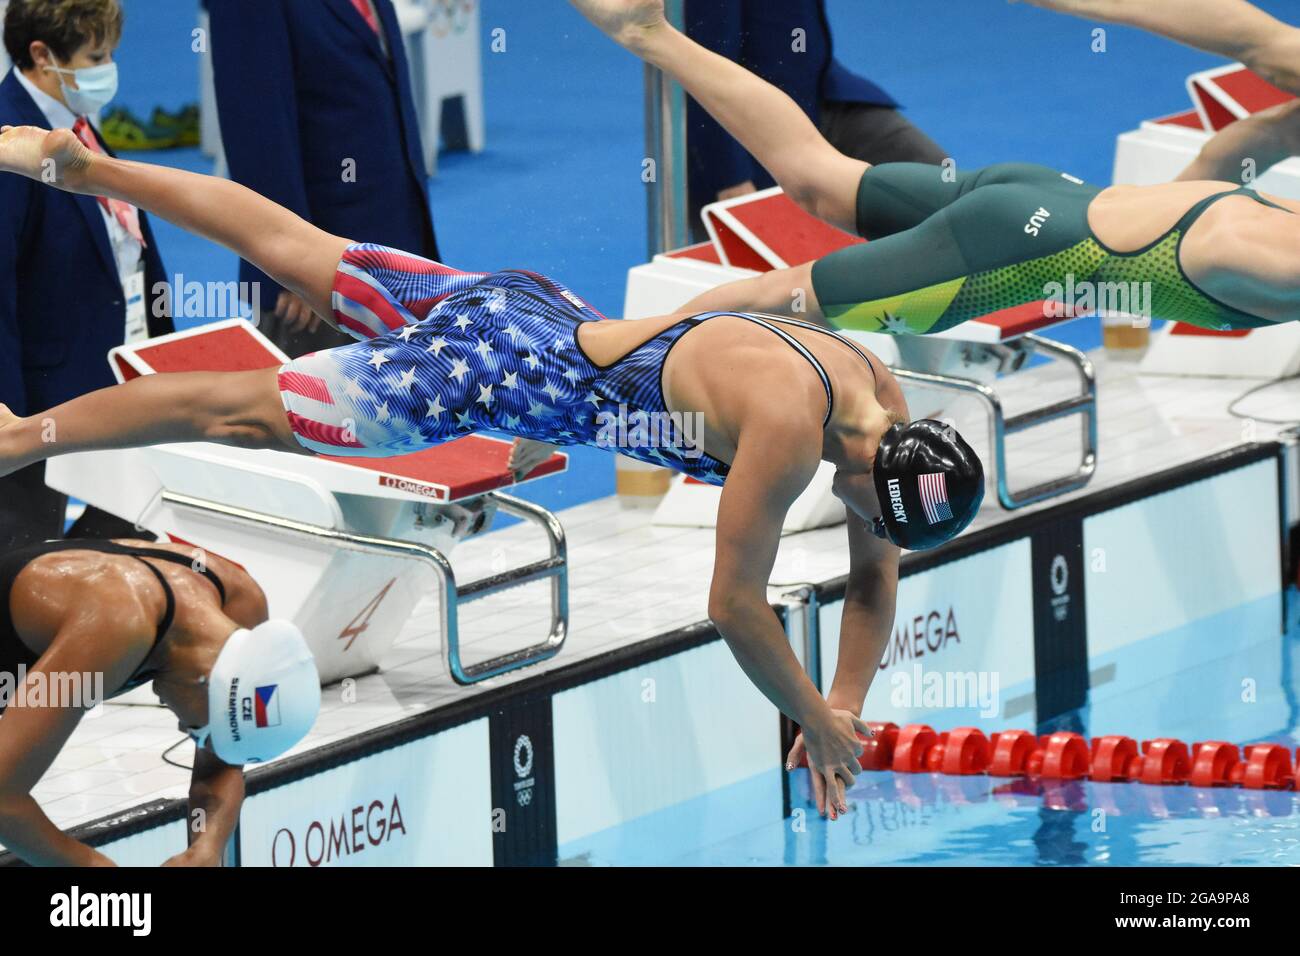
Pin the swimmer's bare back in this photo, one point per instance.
(117, 596)
(1241, 251)
(728, 369)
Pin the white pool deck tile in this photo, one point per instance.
(630, 580)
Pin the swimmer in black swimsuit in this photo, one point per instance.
(82, 618)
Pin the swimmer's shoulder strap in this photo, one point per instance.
(1198, 210)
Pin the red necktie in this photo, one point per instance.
(123, 212)
(368, 12)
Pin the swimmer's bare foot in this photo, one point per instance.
(56, 158)
(527, 454)
(626, 22)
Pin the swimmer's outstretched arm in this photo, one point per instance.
(217, 793)
(36, 728)
(868, 618)
(295, 253)
(760, 489)
(766, 121)
(229, 408)
(1231, 28)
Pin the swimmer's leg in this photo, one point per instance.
(765, 120)
(1000, 244)
(892, 199)
(230, 408)
(378, 289)
(291, 250)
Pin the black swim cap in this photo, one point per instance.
(929, 481)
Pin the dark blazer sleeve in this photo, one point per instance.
(15, 200)
(253, 69)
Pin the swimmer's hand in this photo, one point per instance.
(527, 454)
(196, 855)
(833, 753)
(56, 158)
(9, 461)
(626, 22)
(295, 313)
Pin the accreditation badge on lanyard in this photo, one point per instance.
(137, 317)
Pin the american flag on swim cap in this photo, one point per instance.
(934, 497)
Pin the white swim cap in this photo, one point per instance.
(263, 694)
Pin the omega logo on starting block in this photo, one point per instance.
(415, 488)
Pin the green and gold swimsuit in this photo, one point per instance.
(948, 247)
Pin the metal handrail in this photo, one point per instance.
(801, 604)
(1083, 404)
(555, 568)
(665, 135)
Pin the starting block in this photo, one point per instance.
(766, 230)
(341, 546)
(1158, 152)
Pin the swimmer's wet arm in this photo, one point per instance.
(760, 488)
(868, 616)
(229, 408)
(33, 734)
(216, 794)
(24, 828)
(291, 250)
(765, 120)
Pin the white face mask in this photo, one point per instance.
(96, 87)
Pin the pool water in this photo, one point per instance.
(935, 820)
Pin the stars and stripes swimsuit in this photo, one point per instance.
(442, 354)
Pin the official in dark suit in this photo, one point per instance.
(317, 114)
(77, 273)
(789, 45)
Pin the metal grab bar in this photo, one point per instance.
(803, 624)
(665, 137)
(555, 568)
(1084, 404)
